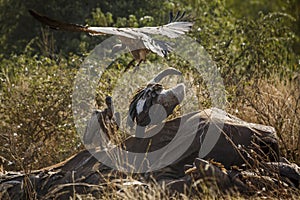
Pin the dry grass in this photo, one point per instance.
(274, 103)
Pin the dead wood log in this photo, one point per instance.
(83, 173)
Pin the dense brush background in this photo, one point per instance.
(255, 44)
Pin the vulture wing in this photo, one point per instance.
(172, 30)
(59, 25)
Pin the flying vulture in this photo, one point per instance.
(137, 40)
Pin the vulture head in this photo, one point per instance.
(101, 124)
(149, 106)
(152, 104)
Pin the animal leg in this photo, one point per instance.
(137, 67)
(129, 65)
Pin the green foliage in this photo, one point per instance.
(18, 27)
(292, 7)
(244, 49)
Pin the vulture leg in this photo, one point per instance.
(130, 64)
(136, 68)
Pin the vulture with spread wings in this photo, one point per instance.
(137, 40)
